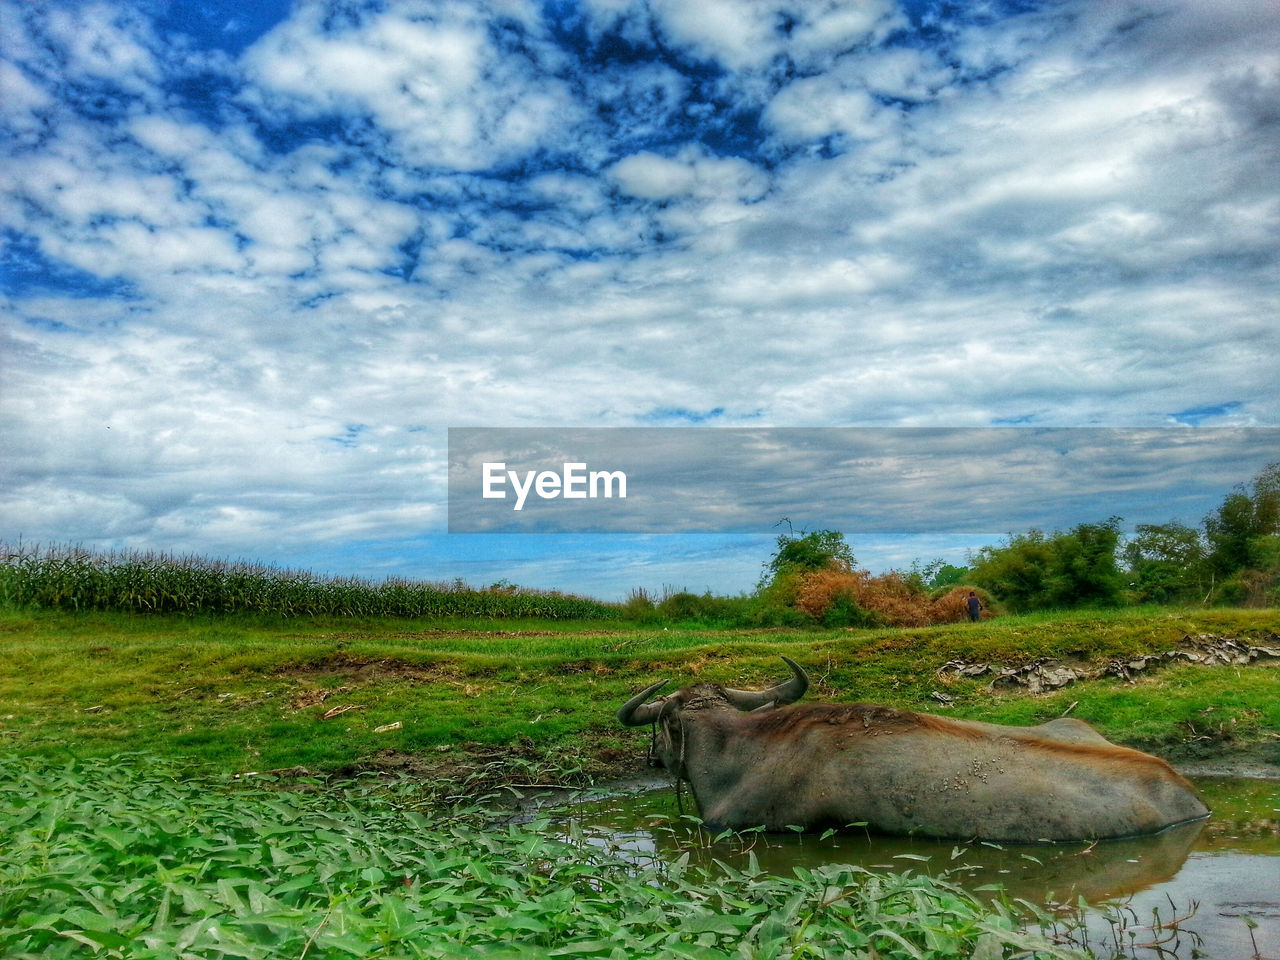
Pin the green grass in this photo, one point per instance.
(534, 700)
(128, 859)
(162, 853)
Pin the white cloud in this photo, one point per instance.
(403, 222)
(813, 108)
(691, 173)
(22, 99)
(651, 177)
(427, 75)
(105, 41)
(749, 35)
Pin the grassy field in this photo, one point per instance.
(533, 701)
(127, 834)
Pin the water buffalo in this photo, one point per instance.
(749, 764)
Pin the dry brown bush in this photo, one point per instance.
(890, 597)
(819, 589)
(953, 606)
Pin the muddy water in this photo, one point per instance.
(1224, 869)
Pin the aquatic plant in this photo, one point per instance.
(124, 858)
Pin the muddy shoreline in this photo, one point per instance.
(457, 778)
(1254, 770)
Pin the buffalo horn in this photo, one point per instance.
(636, 713)
(789, 691)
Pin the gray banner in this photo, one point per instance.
(857, 480)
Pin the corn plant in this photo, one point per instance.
(72, 578)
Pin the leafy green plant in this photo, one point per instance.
(705, 608)
(123, 858)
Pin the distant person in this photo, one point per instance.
(975, 606)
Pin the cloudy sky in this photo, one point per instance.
(873, 480)
(257, 258)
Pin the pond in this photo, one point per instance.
(1221, 870)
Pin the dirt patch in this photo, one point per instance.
(342, 673)
(472, 771)
(314, 696)
(1223, 758)
(585, 666)
(364, 669)
(345, 637)
(394, 763)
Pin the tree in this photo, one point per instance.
(1015, 572)
(1032, 571)
(1229, 532)
(1084, 571)
(1238, 533)
(818, 550)
(1166, 562)
(1266, 499)
(936, 574)
(1244, 542)
(797, 556)
(948, 575)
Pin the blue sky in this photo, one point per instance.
(257, 258)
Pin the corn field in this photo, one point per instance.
(72, 578)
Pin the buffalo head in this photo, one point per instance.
(670, 715)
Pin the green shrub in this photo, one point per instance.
(640, 608)
(1032, 571)
(686, 607)
(1249, 588)
(845, 612)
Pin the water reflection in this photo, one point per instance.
(1064, 871)
(1225, 868)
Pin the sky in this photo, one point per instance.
(257, 259)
